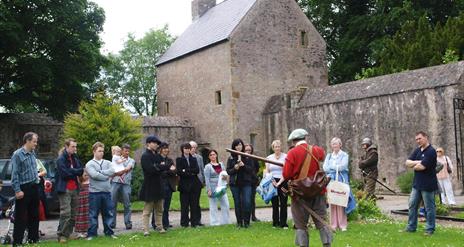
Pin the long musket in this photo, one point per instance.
(367, 175)
(255, 157)
(314, 214)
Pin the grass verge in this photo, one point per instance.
(362, 234)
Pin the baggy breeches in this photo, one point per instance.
(301, 217)
(369, 184)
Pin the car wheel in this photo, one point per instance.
(6, 239)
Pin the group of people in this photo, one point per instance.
(86, 191)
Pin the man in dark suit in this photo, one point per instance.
(152, 192)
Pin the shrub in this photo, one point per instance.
(101, 120)
(404, 181)
(366, 209)
(441, 209)
(137, 180)
(356, 185)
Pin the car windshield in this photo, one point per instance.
(2, 167)
(50, 165)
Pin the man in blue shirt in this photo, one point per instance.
(25, 182)
(423, 161)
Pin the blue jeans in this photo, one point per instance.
(242, 203)
(100, 201)
(167, 204)
(429, 202)
(121, 191)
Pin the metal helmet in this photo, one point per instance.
(297, 134)
(366, 141)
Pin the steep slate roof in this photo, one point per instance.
(214, 26)
(430, 77)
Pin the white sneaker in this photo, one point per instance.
(89, 238)
(146, 234)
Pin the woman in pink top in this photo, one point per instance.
(444, 177)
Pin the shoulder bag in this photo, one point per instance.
(304, 186)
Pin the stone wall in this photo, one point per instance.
(14, 126)
(268, 58)
(389, 109)
(189, 86)
(173, 130)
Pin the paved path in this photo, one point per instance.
(387, 204)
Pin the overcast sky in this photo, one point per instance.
(138, 16)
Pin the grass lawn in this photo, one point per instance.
(175, 202)
(262, 234)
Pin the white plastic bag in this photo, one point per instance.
(338, 192)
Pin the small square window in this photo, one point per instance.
(253, 139)
(166, 108)
(303, 38)
(218, 98)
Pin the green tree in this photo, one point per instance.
(130, 76)
(420, 44)
(356, 30)
(101, 120)
(49, 54)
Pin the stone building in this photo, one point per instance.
(389, 109)
(235, 55)
(13, 126)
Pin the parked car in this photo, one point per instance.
(53, 204)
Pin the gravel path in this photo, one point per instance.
(387, 204)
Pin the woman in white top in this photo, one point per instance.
(214, 173)
(444, 177)
(279, 202)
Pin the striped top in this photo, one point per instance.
(24, 168)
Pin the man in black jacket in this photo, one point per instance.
(368, 165)
(152, 192)
(69, 168)
(189, 187)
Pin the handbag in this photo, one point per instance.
(266, 190)
(338, 192)
(304, 186)
(448, 168)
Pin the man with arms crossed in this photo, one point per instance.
(423, 161)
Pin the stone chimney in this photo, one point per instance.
(199, 7)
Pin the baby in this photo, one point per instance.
(117, 160)
(222, 185)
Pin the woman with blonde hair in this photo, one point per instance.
(279, 202)
(337, 162)
(444, 178)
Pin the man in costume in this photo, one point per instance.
(291, 171)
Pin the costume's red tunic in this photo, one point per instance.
(296, 157)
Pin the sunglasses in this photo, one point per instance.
(439, 151)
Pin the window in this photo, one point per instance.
(289, 101)
(218, 98)
(166, 108)
(303, 39)
(253, 139)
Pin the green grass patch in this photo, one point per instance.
(459, 215)
(204, 204)
(362, 234)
